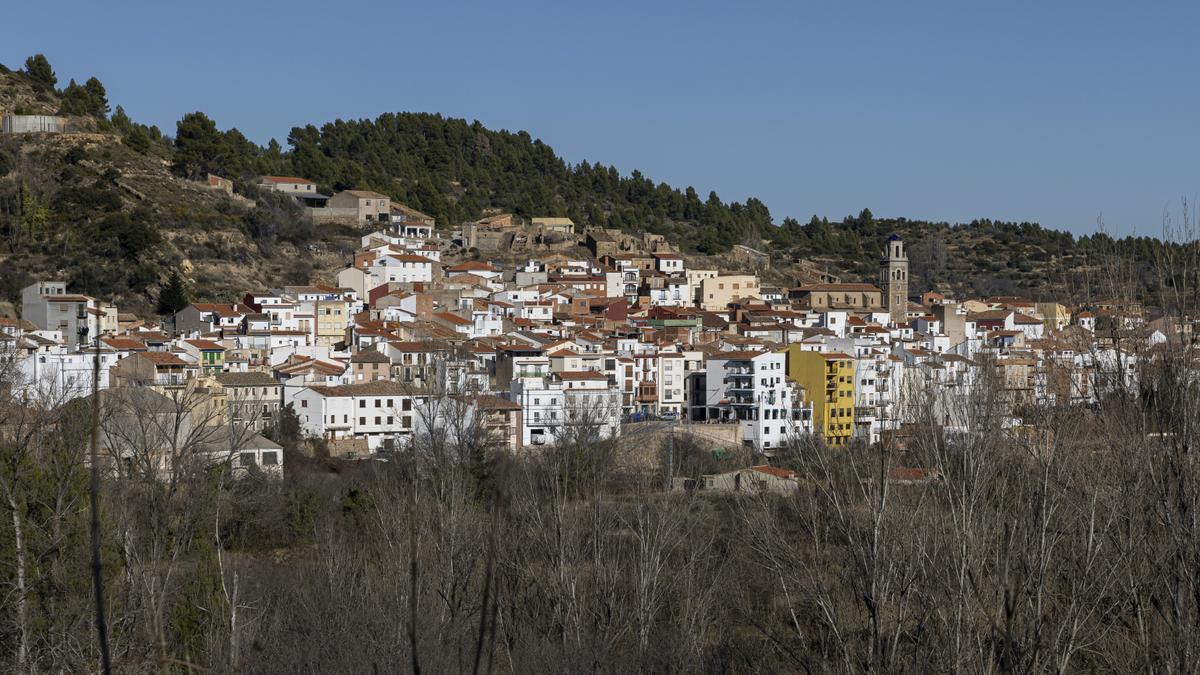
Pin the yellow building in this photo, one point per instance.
(332, 321)
(1055, 316)
(828, 381)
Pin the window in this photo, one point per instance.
(406, 405)
(378, 403)
(362, 421)
(377, 420)
(270, 458)
(246, 459)
(304, 403)
(390, 420)
(362, 403)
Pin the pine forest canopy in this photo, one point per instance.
(454, 170)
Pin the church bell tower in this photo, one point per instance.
(893, 280)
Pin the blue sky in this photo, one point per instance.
(1053, 112)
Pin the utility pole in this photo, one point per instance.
(97, 565)
(670, 458)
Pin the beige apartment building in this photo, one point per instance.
(717, 292)
(370, 207)
(332, 321)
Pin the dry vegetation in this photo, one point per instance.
(1068, 545)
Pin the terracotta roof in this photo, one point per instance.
(206, 345)
(409, 257)
(376, 388)
(471, 265)
(163, 359)
(250, 379)
(453, 318)
(581, 375)
(990, 315)
(907, 473)
(365, 194)
(123, 343)
(489, 402)
(415, 346)
(306, 363)
(369, 356)
(838, 287)
(774, 471)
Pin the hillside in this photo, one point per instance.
(115, 207)
(116, 222)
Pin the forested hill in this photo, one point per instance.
(128, 190)
(454, 170)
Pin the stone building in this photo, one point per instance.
(893, 279)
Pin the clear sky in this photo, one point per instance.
(1056, 112)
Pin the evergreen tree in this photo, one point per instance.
(38, 69)
(198, 146)
(173, 296)
(97, 98)
(121, 121)
(138, 139)
(73, 100)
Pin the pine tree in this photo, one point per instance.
(38, 69)
(97, 98)
(198, 146)
(173, 296)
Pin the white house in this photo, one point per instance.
(567, 405)
(379, 411)
(752, 388)
(669, 263)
